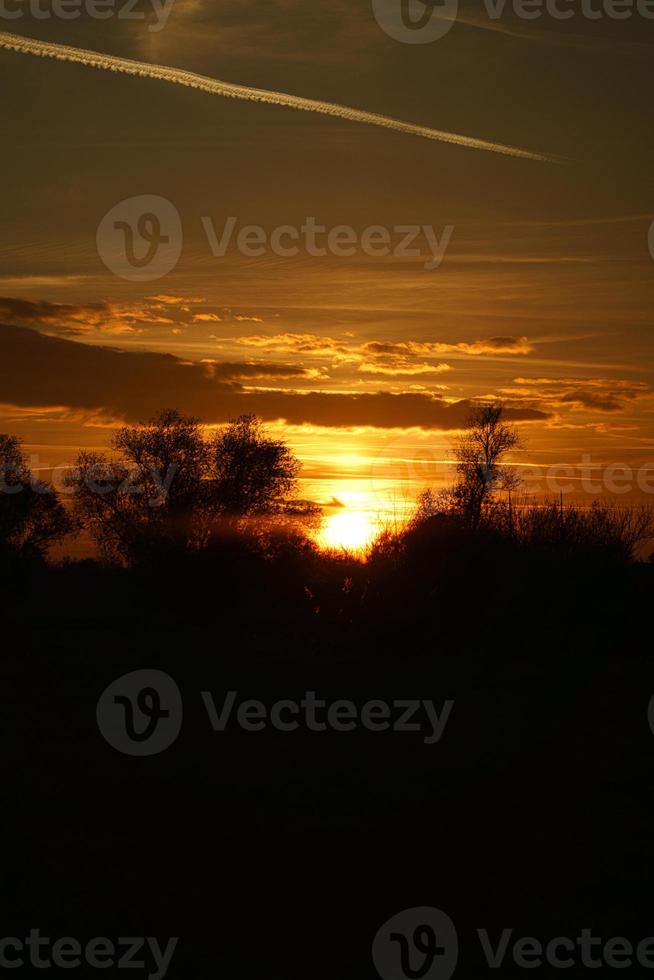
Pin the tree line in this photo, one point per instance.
(167, 488)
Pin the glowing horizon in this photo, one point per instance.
(365, 360)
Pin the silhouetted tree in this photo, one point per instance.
(251, 473)
(169, 454)
(154, 497)
(480, 454)
(31, 515)
(169, 486)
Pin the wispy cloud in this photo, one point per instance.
(489, 346)
(213, 86)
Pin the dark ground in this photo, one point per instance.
(281, 855)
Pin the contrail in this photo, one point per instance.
(93, 59)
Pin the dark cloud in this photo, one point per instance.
(376, 347)
(593, 400)
(42, 371)
(78, 318)
(226, 371)
(583, 394)
(517, 345)
(40, 311)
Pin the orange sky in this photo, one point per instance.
(543, 297)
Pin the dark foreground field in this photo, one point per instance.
(282, 854)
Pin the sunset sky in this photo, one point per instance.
(367, 362)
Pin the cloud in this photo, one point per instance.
(168, 300)
(299, 343)
(214, 86)
(399, 369)
(497, 345)
(489, 346)
(110, 318)
(401, 359)
(41, 282)
(627, 386)
(592, 400)
(580, 394)
(316, 344)
(39, 370)
(226, 371)
(113, 318)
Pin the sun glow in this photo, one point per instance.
(351, 531)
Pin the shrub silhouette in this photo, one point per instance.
(598, 532)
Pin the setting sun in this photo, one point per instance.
(352, 531)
